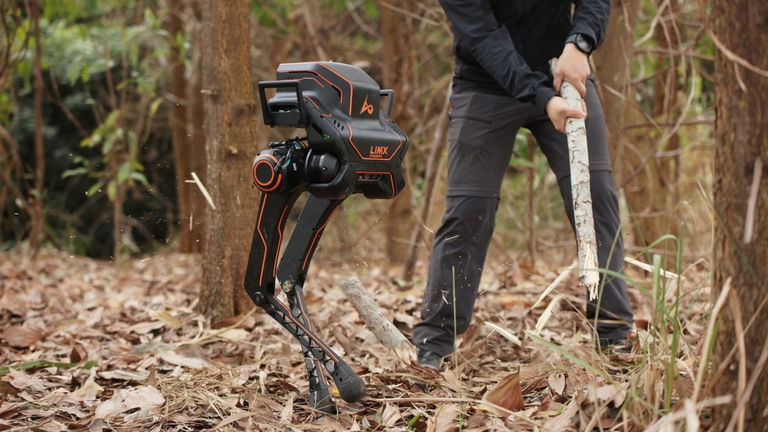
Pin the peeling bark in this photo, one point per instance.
(374, 319)
(578, 153)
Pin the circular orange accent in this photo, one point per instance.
(256, 177)
(277, 184)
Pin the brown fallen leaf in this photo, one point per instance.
(557, 382)
(22, 337)
(8, 388)
(89, 390)
(506, 394)
(146, 398)
(444, 419)
(177, 359)
(563, 420)
(78, 354)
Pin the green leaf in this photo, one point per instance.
(124, 173)
(111, 190)
(154, 107)
(74, 172)
(111, 120)
(522, 163)
(95, 188)
(141, 178)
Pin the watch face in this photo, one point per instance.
(583, 44)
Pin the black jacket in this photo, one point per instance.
(503, 46)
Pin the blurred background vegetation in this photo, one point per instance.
(110, 184)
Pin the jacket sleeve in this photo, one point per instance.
(590, 19)
(489, 43)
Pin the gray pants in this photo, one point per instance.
(481, 138)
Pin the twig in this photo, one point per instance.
(664, 273)
(680, 414)
(708, 339)
(504, 332)
(744, 397)
(749, 223)
(196, 180)
(558, 280)
(732, 56)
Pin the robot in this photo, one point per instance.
(351, 146)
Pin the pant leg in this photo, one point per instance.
(614, 313)
(481, 137)
(455, 268)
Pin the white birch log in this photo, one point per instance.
(578, 152)
(374, 319)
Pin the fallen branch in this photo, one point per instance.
(576, 130)
(374, 319)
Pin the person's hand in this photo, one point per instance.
(572, 66)
(558, 111)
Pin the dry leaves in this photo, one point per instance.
(99, 347)
(506, 394)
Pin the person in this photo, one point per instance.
(502, 82)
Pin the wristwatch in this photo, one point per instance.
(581, 42)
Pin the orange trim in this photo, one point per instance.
(279, 182)
(391, 178)
(313, 79)
(279, 237)
(352, 143)
(351, 88)
(263, 240)
(313, 103)
(314, 239)
(256, 178)
(341, 93)
(279, 176)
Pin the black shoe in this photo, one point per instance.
(621, 345)
(429, 359)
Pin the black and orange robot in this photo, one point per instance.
(351, 146)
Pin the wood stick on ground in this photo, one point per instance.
(578, 152)
(374, 318)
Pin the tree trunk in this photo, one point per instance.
(633, 150)
(37, 213)
(397, 33)
(613, 63)
(741, 201)
(190, 212)
(198, 160)
(230, 118)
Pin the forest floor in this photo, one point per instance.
(88, 345)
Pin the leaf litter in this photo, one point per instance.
(88, 345)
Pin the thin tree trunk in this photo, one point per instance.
(37, 214)
(634, 150)
(230, 116)
(182, 153)
(198, 159)
(397, 33)
(435, 153)
(741, 203)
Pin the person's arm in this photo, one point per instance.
(589, 20)
(490, 44)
